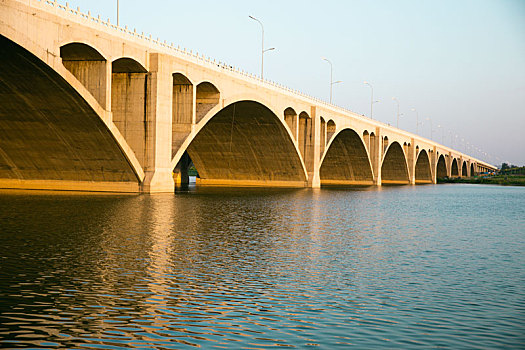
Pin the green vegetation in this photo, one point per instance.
(505, 180)
(511, 170)
(192, 171)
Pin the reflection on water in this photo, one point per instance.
(398, 267)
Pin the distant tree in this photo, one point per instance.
(504, 166)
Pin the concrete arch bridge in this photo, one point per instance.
(86, 105)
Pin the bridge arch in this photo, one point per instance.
(366, 140)
(472, 171)
(454, 170)
(290, 117)
(305, 139)
(330, 130)
(129, 93)
(207, 97)
(244, 143)
(182, 110)
(346, 161)
(322, 140)
(441, 167)
(88, 65)
(423, 170)
(464, 169)
(394, 169)
(61, 134)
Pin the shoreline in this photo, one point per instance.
(503, 180)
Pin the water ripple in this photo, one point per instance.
(398, 267)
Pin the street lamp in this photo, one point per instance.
(431, 129)
(371, 100)
(262, 46)
(417, 120)
(442, 134)
(397, 119)
(331, 75)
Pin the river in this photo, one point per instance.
(394, 267)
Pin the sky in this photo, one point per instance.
(459, 63)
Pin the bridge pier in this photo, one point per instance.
(314, 155)
(157, 168)
(411, 161)
(433, 164)
(376, 155)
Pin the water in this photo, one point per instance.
(397, 267)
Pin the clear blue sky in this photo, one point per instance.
(459, 62)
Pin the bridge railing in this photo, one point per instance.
(202, 59)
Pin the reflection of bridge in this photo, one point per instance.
(86, 105)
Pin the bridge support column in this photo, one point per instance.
(312, 159)
(158, 172)
(376, 155)
(449, 165)
(411, 160)
(433, 165)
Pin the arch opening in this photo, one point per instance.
(323, 138)
(89, 67)
(183, 171)
(246, 144)
(374, 153)
(385, 144)
(346, 161)
(290, 117)
(207, 97)
(441, 169)
(305, 135)
(182, 111)
(330, 130)
(464, 169)
(129, 91)
(394, 169)
(472, 171)
(53, 140)
(423, 171)
(454, 170)
(366, 140)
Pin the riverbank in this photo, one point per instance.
(504, 180)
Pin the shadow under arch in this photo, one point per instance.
(346, 161)
(394, 169)
(245, 144)
(423, 170)
(472, 171)
(129, 93)
(441, 168)
(454, 171)
(58, 138)
(207, 97)
(88, 65)
(464, 169)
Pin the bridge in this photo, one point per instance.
(86, 105)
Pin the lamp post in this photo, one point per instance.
(442, 134)
(397, 118)
(417, 120)
(331, 75)
(431, 129)
(371, 99)
(262, 46)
